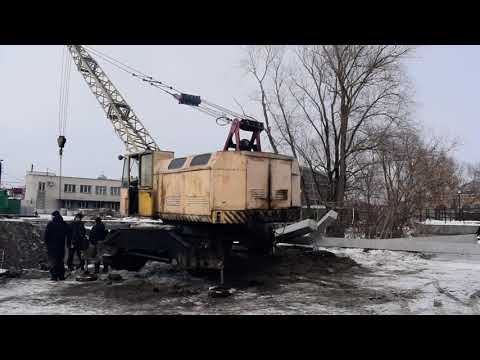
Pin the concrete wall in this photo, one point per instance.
(429, 229)
(47, 201)
(444, 244)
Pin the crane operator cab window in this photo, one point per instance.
(130, 181)
(146, 171)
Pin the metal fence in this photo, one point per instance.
(358, 221)
(449, 214)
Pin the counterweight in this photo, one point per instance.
(126, 124)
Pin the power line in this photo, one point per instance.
(131, 70)
(202, 105)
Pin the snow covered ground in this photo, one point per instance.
(420, 283)
(450, 222)
(375, 282)
(47, 217)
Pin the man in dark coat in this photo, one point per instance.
(97, 236)
(77, 241)
(55, 235)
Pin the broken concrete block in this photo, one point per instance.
(219, 291)
(294, 233)
(115, 277)
(475, 295)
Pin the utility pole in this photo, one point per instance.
(61, 144)
(460, 214)
(1, 173)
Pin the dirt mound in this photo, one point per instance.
(22, 244)
(286, 266)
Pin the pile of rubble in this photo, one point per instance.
(21, 245)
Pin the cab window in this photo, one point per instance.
(200, 160)
(176, 163)
(146, 170)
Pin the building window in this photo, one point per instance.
(101, 190)
(41, 186)
(69, 188)
(115, 191)
(85, 189)
(83, 205)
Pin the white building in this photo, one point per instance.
(42, 193)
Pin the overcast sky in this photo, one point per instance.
(444, 77)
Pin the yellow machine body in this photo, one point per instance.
(223, 187)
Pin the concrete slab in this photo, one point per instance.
(295, 232)
(446, 229)
(435, 244)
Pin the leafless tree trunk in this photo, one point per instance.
(258, 63)
(329, 105)
(341, 91)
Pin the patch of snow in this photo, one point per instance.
(449, 278)
(409, 283)
(450, 222)
(137, 220)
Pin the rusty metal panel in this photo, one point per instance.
(296, 189)
(124, 201)
(280, 183)
(228, 160)
(157, 192)
(232, 181)
(161, 159)
(257, 183)
(197, 192)
(228, 181)
(172, 186)
(229, 189)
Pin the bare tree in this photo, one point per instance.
(330, 104)
(258, 62)
(342, 91)
(416, 173)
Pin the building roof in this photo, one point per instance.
(38, 173)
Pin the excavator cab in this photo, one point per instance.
(129, 185)
(137, 190)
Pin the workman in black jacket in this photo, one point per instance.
(97, 236)
(77, 241)
(55, 236)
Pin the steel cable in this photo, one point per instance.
(209, 108)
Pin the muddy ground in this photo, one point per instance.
(21, 245)
(349, 281)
